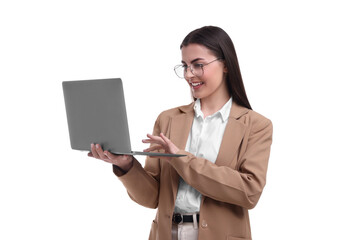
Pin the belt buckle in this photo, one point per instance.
(177, 218)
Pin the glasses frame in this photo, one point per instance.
(202, 65)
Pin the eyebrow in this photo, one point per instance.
(194, 60)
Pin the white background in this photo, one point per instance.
(287, 53)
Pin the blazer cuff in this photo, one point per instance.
(129, 175)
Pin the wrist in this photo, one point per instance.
(128, 165)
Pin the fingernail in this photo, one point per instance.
(96, 145)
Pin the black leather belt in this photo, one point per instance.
(178, 218)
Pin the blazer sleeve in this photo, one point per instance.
(241, 187)
(142, 184)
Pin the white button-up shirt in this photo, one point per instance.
(203, 141)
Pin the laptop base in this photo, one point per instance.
(155, 154)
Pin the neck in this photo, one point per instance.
(211, 105)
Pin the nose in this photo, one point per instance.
(188, 73)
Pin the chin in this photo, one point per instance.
(195, 96)
(200, 96)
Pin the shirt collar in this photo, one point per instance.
(197, 109)
(224, 111)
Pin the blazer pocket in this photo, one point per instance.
(154, 231)
(237, 238)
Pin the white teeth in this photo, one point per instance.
(195, 84)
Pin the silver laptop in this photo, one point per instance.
(96, 113)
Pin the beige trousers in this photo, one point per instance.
(185, 231)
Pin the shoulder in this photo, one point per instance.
(258, 118)
(258, 122)
(250, 118)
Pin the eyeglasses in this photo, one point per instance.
(197, 69)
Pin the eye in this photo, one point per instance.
(198, 65)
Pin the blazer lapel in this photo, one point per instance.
(179, 130)
(233, 135)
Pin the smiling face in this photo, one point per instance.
(211, 85)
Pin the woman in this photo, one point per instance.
(207, 193)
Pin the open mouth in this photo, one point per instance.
(196, 85)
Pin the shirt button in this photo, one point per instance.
(204, 224)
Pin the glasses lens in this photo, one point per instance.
(197, 70)
(180, 71)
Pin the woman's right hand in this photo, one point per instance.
(122, 161)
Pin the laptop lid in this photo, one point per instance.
(96, 113)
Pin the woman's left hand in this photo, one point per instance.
(161, 142)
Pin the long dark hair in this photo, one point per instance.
(218, 41)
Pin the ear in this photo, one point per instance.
(225, 70)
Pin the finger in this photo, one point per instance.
(119, 160)
(109, 160)
(110, 156)
(172, 148)
(93, 151)
(166, 140)
(152, 136)
(100, 152)
(155, 139)
(147, 140)
(90, 154)
(151, 142)
(153, 148)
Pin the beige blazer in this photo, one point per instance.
(229, 187)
